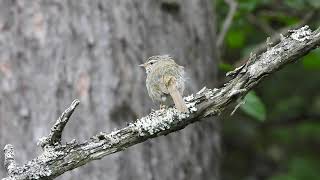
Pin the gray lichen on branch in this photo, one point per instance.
(150, 125)
(54, 137)
(301, 34)
(58, 158)
(9, 161)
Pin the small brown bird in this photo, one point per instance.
(165, 81)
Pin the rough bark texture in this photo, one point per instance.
(57, 159)
(52, 51)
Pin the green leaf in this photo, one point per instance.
(248, 5)
(235, 38)
(225, 67)
(254, 106)
(288, 20)
(312, 60)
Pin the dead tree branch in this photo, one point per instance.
(54, 137)
(57, 158)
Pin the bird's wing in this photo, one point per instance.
(170, 83)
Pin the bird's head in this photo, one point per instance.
(152, 61)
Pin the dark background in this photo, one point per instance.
(275, 135)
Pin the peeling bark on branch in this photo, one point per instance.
(57, 159)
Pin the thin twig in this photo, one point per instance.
(260, 24)
(227, 22)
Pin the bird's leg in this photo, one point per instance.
(162, 106)
(162, 102)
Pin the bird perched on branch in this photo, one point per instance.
(165, 81)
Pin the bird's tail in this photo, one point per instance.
(177, 97)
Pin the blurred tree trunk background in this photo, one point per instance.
(54, 51)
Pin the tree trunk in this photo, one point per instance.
(54, 51)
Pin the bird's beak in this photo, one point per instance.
(142, 65)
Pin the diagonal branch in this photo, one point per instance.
(57, 159)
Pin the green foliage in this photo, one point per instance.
(225, 67)
(288, 105)
(308, 130)
(235, 38)
(295, 4)
(286, 147)
(254, 106)
(302, 132)
(312, 60)
(248, 5)
(286, 20)
(302, 162)
(300, 169)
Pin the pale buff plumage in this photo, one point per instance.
(165, 81)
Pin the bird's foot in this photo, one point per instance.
(163, 107)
